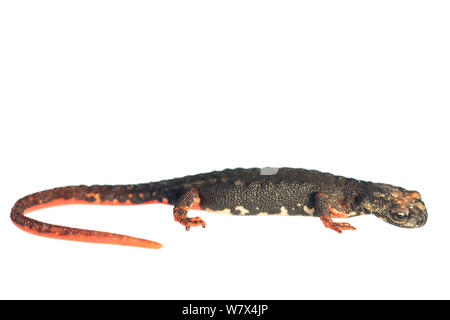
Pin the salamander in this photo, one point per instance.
(244, 192)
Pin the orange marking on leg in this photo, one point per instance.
(196, 204)
(336, 213)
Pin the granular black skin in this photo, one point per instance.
(289, 188)
(244, 191)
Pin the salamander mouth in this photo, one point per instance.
(421, 219)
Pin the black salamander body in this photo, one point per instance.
(266, 191)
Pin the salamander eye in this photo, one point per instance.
(398, 216)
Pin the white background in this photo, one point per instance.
(116, 92)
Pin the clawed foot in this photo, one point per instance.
(339, 226)
(336, 226)
(191, 222)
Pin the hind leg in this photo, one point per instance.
(182, 206)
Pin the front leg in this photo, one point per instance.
(324, 209)
(182, 206)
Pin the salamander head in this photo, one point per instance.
(397, 206)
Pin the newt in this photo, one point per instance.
(244, 192)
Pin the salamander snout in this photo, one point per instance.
(412, 215)
(402, 208)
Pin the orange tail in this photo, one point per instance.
(72, 195)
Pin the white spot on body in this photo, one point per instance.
(242, 210)
(352, 214)
(224, 211)
(283, 212)
(309, 211)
